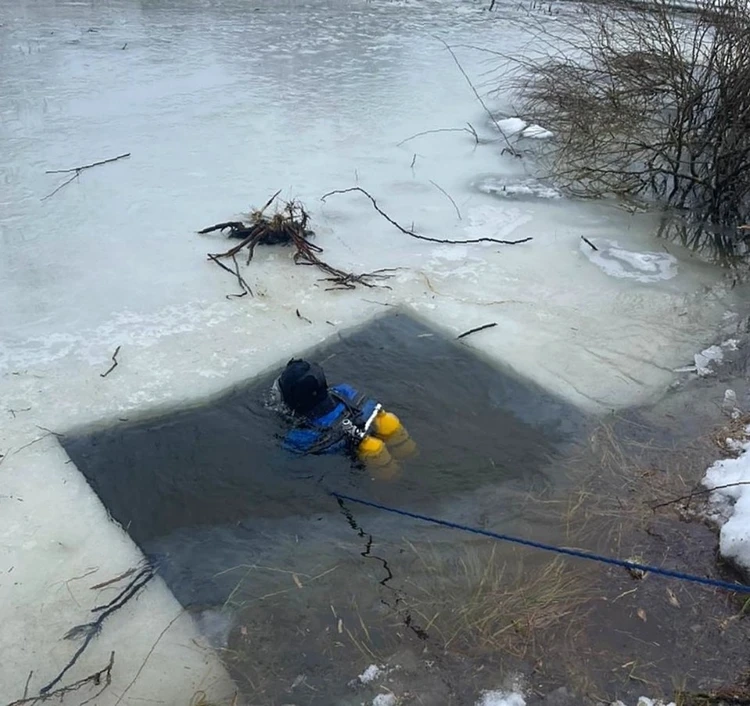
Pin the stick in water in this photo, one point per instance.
(589, 243)
(114, 363)
(474, 330)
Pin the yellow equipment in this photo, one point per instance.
(387, 426)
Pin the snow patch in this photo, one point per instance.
(730, 506)
(644, 701)
(501, 698)
(511, 127)
(537, 132)
(384, 700)
(708, 359)
(628, 264)
(705, 359)
(370, 674)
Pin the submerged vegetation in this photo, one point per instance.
(483, 608)
(651, 105)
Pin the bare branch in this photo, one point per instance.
(101, 678)
(448, 196)
(475, 330)
(411, 232)
(509, 147)
(76, 172)
(114, 363)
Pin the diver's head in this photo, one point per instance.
(303, 386)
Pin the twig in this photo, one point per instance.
(235, 273)
(65, 183)
(417, 235)
(222, 226)
(76, 171)
(509, 147)
(96, 679)
(150, 652)
(58, 434)
(589, 243)
(448, 196)
(245, 286)
(13, 411)
(474, 330)
(268, 203)
(372, 301)
(28, 680)
(702, 491)
(92, 629)
(413, 161)
(114, 363)
(304, 318)
(471, 131)
(109, 582)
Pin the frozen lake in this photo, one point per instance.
(221, 103)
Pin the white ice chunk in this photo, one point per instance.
(732, 504)
(628, 264)
(501, 698)
(370, 674)
(704, 360)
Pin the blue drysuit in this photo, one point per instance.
(313, 437)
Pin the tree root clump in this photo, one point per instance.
(289, 226)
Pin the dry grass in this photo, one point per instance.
(483, 600)
(733, 431)
(619, 477)
(476, 601)
(200, 698)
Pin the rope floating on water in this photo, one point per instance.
(577, 553)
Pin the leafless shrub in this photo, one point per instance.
(651, 105)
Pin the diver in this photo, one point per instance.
(339, 419)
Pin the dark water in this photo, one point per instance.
(209, 488)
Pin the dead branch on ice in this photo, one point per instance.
(288, 225)
(76, 171)
(410, 231)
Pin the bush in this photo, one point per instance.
(651, 104)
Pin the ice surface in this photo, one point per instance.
(731, 505)
(219, 106)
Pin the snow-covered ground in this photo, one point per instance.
(729, 502)
(220, 104)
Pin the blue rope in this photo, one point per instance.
(739, 587)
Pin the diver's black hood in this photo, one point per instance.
(304, 387)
